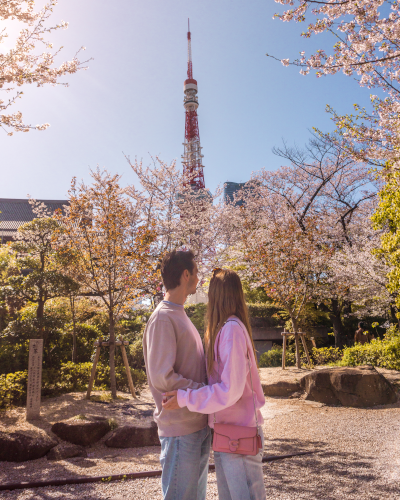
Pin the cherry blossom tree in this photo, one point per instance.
(366, 48)
(181, 216)
(363, 268)
(108, 245)
(24, 63)
(322, 181)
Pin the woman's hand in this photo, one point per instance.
(172, 402)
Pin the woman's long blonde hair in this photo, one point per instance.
(225, 299)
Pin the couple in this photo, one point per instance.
(178, 371)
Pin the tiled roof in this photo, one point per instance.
(15, 212)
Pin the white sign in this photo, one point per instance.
(34, 379)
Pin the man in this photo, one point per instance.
(362, 336)
(174, 358)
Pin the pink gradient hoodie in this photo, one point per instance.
(229, 393)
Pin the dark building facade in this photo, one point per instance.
(230, 188)
(15, 212)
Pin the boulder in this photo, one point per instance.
(130, 436)
(83, 432)
(66, 450)
(282, 388)
(19, 447)
(358, 387)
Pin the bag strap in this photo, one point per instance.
(248, 359)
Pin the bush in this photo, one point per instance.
(325, 355)
(273, 358)
(383, 353)
(13, 388)
(69, 378)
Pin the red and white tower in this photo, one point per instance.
(192, 159)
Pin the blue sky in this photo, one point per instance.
(131, 98)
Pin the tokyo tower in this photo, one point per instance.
(192, 157)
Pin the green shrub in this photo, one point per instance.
(197, 313)
(383, 353)
(273, 358)
(13, 388)
(325, 355)
(69, 378)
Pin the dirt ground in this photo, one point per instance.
(356, 451)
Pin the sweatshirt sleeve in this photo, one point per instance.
(232, 351)
(161, 356)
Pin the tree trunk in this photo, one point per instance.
(393, 312)
(113, 381)
(296, 340)
(74, 344)
(40, 315)
(337, 323)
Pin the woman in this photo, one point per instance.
(234, 394)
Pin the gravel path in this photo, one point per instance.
(358, 457)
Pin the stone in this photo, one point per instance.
(130, 436)
(66, 450)
(357, 387)
(20, 447)
(82, 431)
(281, 388)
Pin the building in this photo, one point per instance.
(15, 212)
(230, 188)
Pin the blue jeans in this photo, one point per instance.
(184, 462)
(240, 477)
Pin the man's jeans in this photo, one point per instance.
(184, 462)
(240, 477)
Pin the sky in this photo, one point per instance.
(130, 99)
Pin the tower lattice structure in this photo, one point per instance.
(192, 159)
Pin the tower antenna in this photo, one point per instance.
(192, 159)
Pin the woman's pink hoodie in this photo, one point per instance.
(229, 395)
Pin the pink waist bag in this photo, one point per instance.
(230, 438)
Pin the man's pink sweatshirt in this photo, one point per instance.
(174, 359)
(229, 393)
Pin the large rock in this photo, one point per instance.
(82, 432)
(66, 450)
(357, 387)
(19, 447)
(129, 436)
(282, 388)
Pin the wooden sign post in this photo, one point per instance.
(34, 379)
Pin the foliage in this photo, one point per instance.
(24, 64)
(326, 355)
(384, 353)
(197, 313)
(107, 246)
(37, 278)
(387, 217)
(273, 357)
(13, 387)
(71, 377)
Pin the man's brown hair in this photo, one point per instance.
(173, 265)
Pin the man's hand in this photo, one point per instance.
(172, 402)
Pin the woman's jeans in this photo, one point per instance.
(184, 462)
(240, 477)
